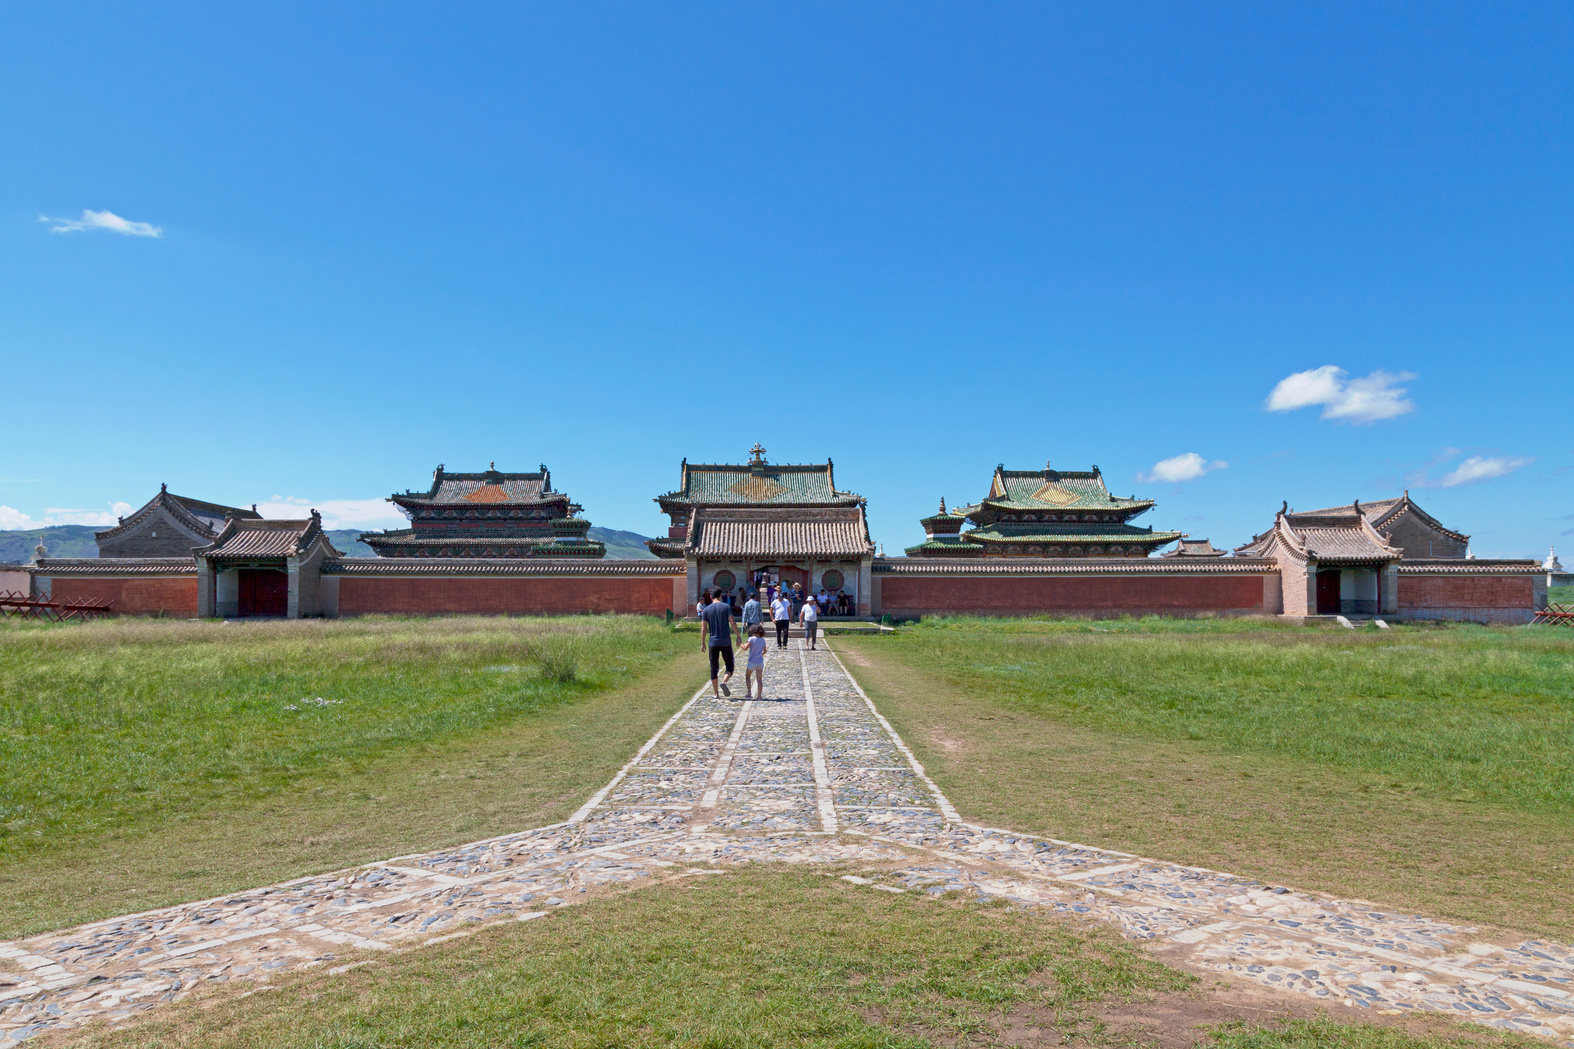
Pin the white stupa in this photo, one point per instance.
(1557, 575)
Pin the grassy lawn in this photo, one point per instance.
(762, 958)
(1560, 595)
(1425, 768)
(143, 763)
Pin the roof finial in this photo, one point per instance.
(1358, 508)
(1285, 508)
(163, 488)
(316, 516)
(757, 454)
(492, 465)
(253, 507)
(942, 504)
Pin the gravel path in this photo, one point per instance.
(811, 774)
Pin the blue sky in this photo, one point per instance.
(1232, 254)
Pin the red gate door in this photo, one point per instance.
(263, 592)
(1328, 592)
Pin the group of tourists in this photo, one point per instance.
(829, 602)
(719, 627)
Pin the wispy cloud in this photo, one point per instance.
(1481, 468)
(108, 220)
(1186, 467)
(336, 513)
(12, 519)
(1365, 400)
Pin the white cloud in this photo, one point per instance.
(336, 513)
(1366, 400)
(1187, 467)
(92, 220)
(12, 519)
(1481, 468)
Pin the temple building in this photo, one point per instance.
(1406, 527)
(1043, 513)
(1331, 562)
(1347, 560)
(489, 515)
(1188, 547)
(168, 526)
(735, 523)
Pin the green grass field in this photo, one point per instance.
(763, 958)
(146, 762)
(1423, 767)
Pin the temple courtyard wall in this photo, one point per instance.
(902, 588)
(910, 590)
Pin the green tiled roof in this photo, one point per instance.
(762, 484)
(953, 546)
(1079, 534)
(1056, 490)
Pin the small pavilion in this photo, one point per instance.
(1331, 562)
(266, 568)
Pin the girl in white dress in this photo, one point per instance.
(754, 669)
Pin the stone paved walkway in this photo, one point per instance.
(812, 774)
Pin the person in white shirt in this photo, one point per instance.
(781, 615)
(809, 617)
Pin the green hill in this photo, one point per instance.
(621, 544)
(60, 541)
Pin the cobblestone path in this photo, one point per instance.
(812, 774)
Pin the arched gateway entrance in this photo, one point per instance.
(730, 521)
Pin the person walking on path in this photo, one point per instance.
(754, 668)
(781, 614)
(809, 617)
(718, 628)
(752, 615)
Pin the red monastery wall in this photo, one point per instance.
(1479, 598)
(912, 596)
(132, 595)
(528, 595)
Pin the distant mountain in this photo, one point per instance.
(77, 541)
(621, 544)
(348, 542)
(59, 541)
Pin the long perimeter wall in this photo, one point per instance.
(453, 586)
(1488, 592)
(911, 589)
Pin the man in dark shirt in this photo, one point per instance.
(718, 629)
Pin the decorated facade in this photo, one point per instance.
(739, 524)
(488, 514)
(1043, 513)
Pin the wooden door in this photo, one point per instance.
(1328, 592)
(263, 592)
(797, 575)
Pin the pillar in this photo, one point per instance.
(866, 586)
(205, 597)
(292, 567)
(1388, 590)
